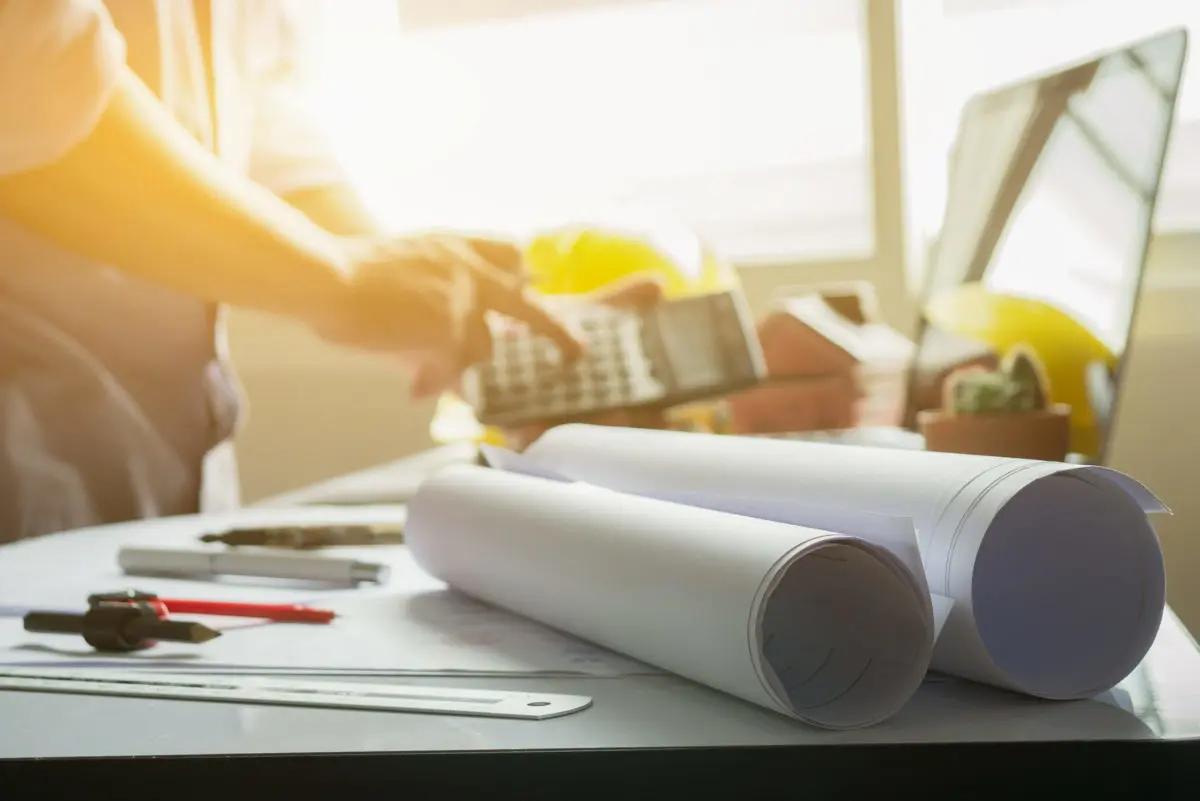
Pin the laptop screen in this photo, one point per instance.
(1052, 189)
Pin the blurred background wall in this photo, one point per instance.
(837, 113)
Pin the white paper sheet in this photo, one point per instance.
(412, 625)
(1055, 572)
(822, 627)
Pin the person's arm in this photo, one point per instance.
(140, 194)
(93, 162)
(336, 207)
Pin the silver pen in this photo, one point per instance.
(181, 562)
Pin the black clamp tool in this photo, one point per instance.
(127, 624)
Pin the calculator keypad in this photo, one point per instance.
(526, 379)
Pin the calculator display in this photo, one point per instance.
(692, 347)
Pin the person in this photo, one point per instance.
(153, 168)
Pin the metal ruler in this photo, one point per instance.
(294, 692)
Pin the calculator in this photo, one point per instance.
(673, 352)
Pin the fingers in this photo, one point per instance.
(516, 304)
(635, 291)
(500, 291)
(431, 294)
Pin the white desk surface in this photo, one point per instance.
(1163, 703)
(1160, 701)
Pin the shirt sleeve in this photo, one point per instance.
(59, 62)
(289, 151)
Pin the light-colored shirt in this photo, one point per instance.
(116, 400)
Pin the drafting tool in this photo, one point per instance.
(119, 626)
(293, 692)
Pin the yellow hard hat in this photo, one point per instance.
(575, 260)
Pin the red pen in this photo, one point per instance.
(292, 613)
(295, 613)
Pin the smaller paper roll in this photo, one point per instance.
(822, 627)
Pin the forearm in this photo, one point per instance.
(141, 195)
(336, 208)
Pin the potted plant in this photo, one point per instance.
(1005, 412)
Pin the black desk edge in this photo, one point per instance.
(1151, 770)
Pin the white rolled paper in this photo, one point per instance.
(822, 627)
(1054, 569)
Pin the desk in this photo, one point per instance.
(643, 735)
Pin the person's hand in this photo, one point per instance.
(424, 299)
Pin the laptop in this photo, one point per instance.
(1052, 187)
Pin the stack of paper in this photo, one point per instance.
(1055, 573)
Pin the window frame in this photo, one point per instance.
(886, 267)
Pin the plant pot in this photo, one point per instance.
(1042, 434)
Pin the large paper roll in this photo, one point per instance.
(1055, 572)
(822, 627)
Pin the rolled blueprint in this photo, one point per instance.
(1054, 570)
(822, 627)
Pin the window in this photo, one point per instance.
(744, 119)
